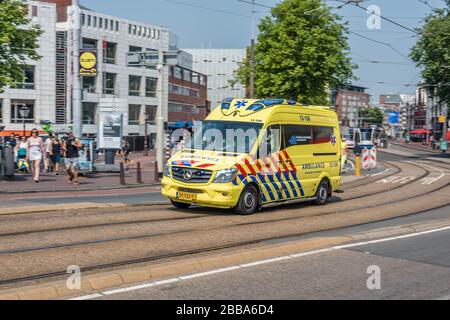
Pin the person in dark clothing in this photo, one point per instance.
(55, 155)
(71, 148)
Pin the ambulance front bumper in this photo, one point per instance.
(219, 195)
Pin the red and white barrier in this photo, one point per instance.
(373, 158)
(365, 159)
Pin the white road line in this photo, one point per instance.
(379, 173)
(444, 298)
(261, 262)
(88, 297)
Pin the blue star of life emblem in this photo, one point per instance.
(293, 140)
(241, 104)
(333, 139)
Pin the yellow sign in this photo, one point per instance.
(441, 119)
(88, 63)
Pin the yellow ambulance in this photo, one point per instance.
(249, 153)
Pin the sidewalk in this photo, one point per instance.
(49, 182)
(414, 151)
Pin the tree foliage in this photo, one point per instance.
(18, 41)
(432, 53)
(301, 52)
(372, 116)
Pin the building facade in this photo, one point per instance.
(47, 90)
(219, 65)
(347, 101)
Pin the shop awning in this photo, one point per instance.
(420, 131)
(6, 133)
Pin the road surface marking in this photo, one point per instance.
(380, 173)
(88, 297)
(256, 263)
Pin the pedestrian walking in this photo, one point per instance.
(47, 153)
(56, 151)
(35, 150)
(126, 154)
(71, 149)
(21, 149)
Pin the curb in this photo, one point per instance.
(186, 266)
(131, 186)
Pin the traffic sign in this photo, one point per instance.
(441, 119)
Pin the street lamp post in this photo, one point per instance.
(145, 134)
(24, 113)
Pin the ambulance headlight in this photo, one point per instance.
(225, 176)
(167, 170)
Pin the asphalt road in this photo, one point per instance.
(410, 268)
(127, 196)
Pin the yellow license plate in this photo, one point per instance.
(186, 196)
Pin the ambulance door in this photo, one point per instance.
(326, 151)
(298, 154)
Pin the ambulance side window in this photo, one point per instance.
(271, 142)
(297, 135)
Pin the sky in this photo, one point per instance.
(228, 24)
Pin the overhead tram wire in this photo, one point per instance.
(382, 17)
(208, 8)
(382, 43)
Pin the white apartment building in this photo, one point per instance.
(48, 88)
(219, 65)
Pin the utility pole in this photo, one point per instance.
(160, 116)
(76, 88)
(252, 55)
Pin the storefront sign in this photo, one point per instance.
(88, 63)
(110, 131)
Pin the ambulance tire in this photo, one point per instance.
(322, 194)
(180, 205)
(248, 201)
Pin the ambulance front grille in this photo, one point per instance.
(198, 175)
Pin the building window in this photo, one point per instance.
(83, 19)
(134, 29)
(34, 11)
(150, 113)
(195, 78)
(106, 24)
(15, 114)
(111, 25)
(150, 87)
(177, 72)
(187, 75)
(139, 31)
(109, 85)
(135, 49)
(110, 53)
(89, 112)
(89, 84)
(88, 21)
(134, 85)
(100, 23)
(28, 81)
(152, 33)
(89, 43)
(117, 26)
(94, 24)
(134, 114)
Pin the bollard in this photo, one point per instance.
(122, 175)
(138, 173)
(156, 171)
(357, 166)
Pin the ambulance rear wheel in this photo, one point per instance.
(248, 201)
(180, 205)
(323, 191)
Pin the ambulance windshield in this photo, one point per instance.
(225, 136)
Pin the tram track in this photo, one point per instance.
(142, 221)
(199, 250)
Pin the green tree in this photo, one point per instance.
(18, 43)
(371, 116)
(301, 52)
(432, 53)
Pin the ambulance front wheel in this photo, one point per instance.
(248, 201)
(322, 194)
(180, 205)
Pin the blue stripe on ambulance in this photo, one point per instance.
(269, 191)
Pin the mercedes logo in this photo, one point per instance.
(187, 174)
